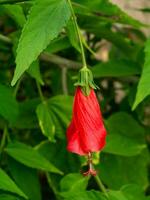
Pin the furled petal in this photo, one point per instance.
(86, 132)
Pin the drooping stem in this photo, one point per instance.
(78, 33)
(100, 185)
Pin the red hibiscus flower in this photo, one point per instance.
(86, 132)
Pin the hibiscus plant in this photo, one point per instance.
(74, 101)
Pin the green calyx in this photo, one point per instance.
(85, 81)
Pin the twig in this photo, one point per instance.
(60, 61)
(64, 80)
(5, 39)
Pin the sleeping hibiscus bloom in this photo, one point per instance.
(86, 132)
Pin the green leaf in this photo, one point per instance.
(128, 192)
(72, 34)
(143, 89)
(45, 121)
(58, 44)
(60, 107)
(26, 178)
(8, 197)
(8, 104)
(120, 139)
(105, 9)
(27, 115)
(30, 157)
(73, 182)
(16, 13)
(86, 195)
(116, 68)
(34, 71)
(67, 162)
(119, 170)
(7, 184)
(36, 35)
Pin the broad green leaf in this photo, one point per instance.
(126, 139)
(61, 105)
(8, 104)
(143, 89)
(8, 185)
(133, 192)
(16, 13)
(30, 157)
(127, 192)
(60, 108)
(116, 68)
(36, 35)
(34, 71)
(27, 115)
(73, 182)
(72, 34)
(26, 178)
(86, 195)
(8, 197)
(119, 170)
(45, 121)
(67, 162)
(58, 44)
(105, 9)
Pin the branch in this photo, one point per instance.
(5, 39)
(64, 80)
(70, 64)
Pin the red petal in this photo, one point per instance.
(86, 132)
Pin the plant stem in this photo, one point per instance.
(100, 184)
(40, 91)
(78, 33)
(5, 39)
(4, 137)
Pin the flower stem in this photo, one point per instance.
(78, 33)
(4, 137)
(100, 184)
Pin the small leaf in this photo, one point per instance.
(8, 104)
(72, 34)
(16, 13)
(67, 162)
(58, 44)
(120, 172)
(34, 71)
(36, 35)
(73, 182)
(25, 176)
(8, 185)
(143, 89)
(45, 121)
(115, 68)
(126, 139)
(8, 197)
(30, 157)
(86, 195)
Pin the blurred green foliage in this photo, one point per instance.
(40, 55)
